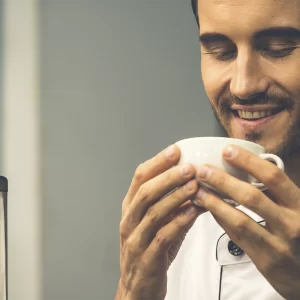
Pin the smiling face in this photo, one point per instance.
(251, 69)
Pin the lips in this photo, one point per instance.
(255, 112)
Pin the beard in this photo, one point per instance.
(287, 145)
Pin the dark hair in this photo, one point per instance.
(195, 9)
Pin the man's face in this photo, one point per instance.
(251, 69)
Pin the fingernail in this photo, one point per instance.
(201, 193)
(204, 171)
(170, 151)
(185, 170)
(189, 186)
(192, 210)
(200, 196)
(230, 151)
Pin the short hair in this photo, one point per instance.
(195, 10)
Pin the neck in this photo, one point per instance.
(292, 167)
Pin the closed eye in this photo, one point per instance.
(279, 52)
(221, 53)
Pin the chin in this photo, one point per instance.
(274, 147)
(273, 144)
(282, 145)
(280, 137)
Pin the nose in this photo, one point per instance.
(248, 79)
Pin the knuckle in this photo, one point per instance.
(252, 197)
(281, 256)
(283, 252)
(124, 229)
(139, 174)
(274, 177)
(294, 234)
(130, 246)
(169, 177)
(152, 215)
(183, 193)
(241, 227)
(181, 222)
(247, 159)
(178, 195)
(291, 225)
(143, 193)
(283, 219)
(161, 238)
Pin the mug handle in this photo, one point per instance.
(272, 158)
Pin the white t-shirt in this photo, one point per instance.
(204, 268)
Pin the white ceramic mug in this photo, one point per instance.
(208, 150)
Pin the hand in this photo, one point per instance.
(156, 215)
(275, 248)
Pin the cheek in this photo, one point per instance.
(210, 80)
(285, 74)
(291, 82)
(215, 78)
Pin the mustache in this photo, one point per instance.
(258, 99)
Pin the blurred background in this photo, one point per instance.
(89, 89)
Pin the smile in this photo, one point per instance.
(254, 117)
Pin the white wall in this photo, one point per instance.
(21, 146)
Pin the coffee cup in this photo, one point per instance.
(208, 150)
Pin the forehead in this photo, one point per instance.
(233, 17)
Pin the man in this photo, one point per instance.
(250, 69)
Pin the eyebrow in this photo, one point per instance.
(211, 37)
(287, 32)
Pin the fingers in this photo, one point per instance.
(150, 169)
(156, 188)
(278, 183)
(282, 222)
(168, 234)
(240, 191)
(245, 232)
(157, 214)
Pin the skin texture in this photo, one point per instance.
(241, 64)
(156, 215)
(275, 248)
(245, 69)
